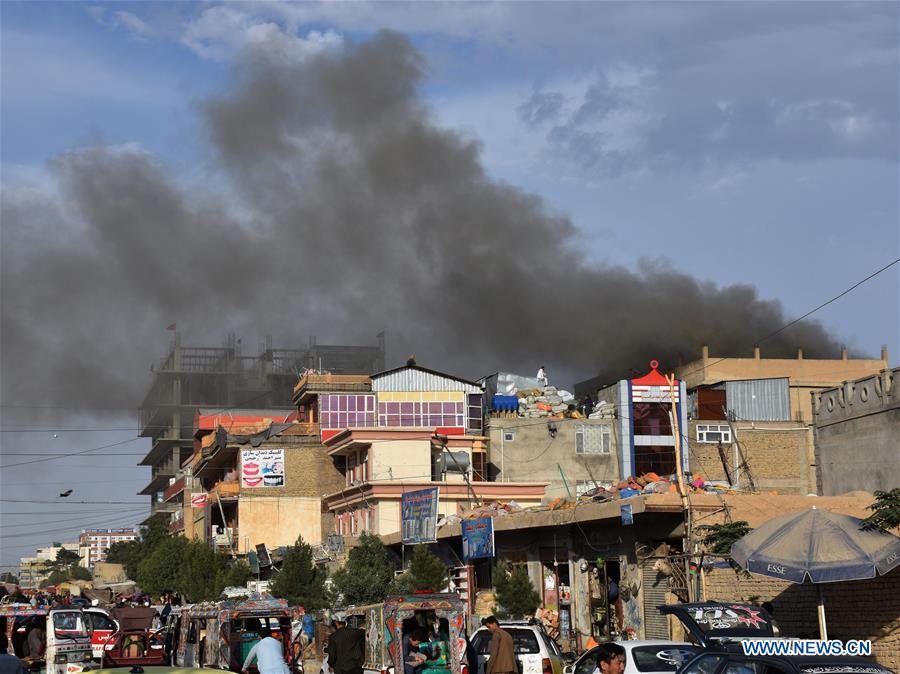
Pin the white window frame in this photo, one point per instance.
(605, 432)
(723, 429)
(509, 436)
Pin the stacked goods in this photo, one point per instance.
(546, 401)
(603, 410)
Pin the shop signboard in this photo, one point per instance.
(419, 511)
(478, 538)
(262, 468)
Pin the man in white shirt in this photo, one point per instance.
(269, 655)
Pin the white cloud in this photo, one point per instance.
(134, 24)
(220, 32)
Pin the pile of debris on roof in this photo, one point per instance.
(517, 396)
(493, 509)
(603, 410)
(651, 483)
(546, 401)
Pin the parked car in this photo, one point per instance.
(538, 653)
(729, 662)
(719, 625)
(651, 656)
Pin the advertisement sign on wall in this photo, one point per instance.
(262, 468)
(419, 511)
(199, 500)
(478, 538)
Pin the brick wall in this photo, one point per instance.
(778, 454)
(309, 471)
(863, 609)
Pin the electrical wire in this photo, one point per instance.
(80, 453)
(806, 315)
(58, 502)
(57, 512)
(129, 517)
(77, 518)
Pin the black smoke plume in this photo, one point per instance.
(336, 207)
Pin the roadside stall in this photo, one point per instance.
(440, 617)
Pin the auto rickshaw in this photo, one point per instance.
(440, 616)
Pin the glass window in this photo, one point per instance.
(592, 439)
(743, 667)
(706, 664)
(588, 663)
(662, 657)
(524, 641)
(714, 433)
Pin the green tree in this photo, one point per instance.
(300, 581)
(55, 578)
(233, 574)
(718, 538)
(131, 553)
(127, 553)
(64, 559)
(515, 593)
(9, 578)
(885, 511)
(161, 570)
(426, 572)
(199, 571)
(369, 573)
(79, 573)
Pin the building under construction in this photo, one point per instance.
(191, 377)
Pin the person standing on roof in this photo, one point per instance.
(268, 653)
(542, 376)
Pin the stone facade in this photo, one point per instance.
(864, 609)
(857, 431)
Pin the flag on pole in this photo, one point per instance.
(171, 327)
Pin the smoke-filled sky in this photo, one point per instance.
(497, 186)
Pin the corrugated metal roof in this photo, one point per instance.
(759, 399)
(415, 378)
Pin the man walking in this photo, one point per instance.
(268, 653)
(502, 653)
(346, 649)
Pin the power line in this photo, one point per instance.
(82, 452)
(68, 528)
(31, 513)
(58, 502)
(77, 518)
(806, 315)
(34, 546)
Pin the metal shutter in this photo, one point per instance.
(654, 586)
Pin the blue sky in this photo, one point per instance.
(741, 142)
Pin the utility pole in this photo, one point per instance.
(682, 491)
